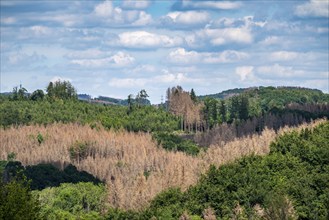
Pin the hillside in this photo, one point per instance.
(225, 94)
(136, 158)
(120, 158)
(289, 183)
(281, 93)
(135, 170)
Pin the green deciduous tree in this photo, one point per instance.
(74, 200)
(16, 200)
(130, 102)
(222, 110)
(244, 107)
(61, 90)
(37, 95)
(141, 97)
(19, 93)
(193, 96)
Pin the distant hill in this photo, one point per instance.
(226, 93)
(6, 93)
(109, 100)
(84, 97)
(281, 93)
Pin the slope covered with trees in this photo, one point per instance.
(132, 165)
(292, 182)
(255, 102)
(127, 155)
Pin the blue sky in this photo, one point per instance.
(117, 48)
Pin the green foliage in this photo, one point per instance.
(278, 206)
(118, 214)
(193, 96)
(291, 182)
(211, 111)
(242, 104)
(271, 97)
(73, 201)
(40, 138)
(141, 98)
(173, 142)
(61, 90)
(19, 93)
(225, 94)
(145, 118)
(239, 107)
(167, 205)
(11, 114)
(125, 102)
(80, 150)
(11, 156)
(37, 95)
(147, 173)
(16, 200)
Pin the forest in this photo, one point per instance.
(246, 153)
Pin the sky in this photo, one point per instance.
(117, 48)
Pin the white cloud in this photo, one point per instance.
(249, 22)
(23, 59)
(227, 56)
(173, 78)
(166, 78)
(278, 71)
(223, 36)
(270, 40)
(245, 72)
(211, 4)
(246, 21)
(67, 20)
(283, 56)
(122, 59)
(133, 4)
(104, 9)
(40, 30)
(226, 31)
(115, 15)
(144, 68)
(181, 56)
(313, 8)
(8, 20)
(293, 56)
(143, 19)
(127, 82)
(143, 39)
(89, 53)
(220, 36)
(189, 18)
(119, 59)
(322, 30)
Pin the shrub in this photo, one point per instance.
(175, 143)
(80, 150)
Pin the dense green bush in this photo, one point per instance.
(16, 200)
(173, 142)
(73, 201)
(292, 181)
